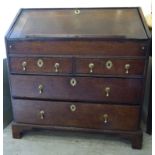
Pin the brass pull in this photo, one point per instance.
(109, 64)
(73, 107)
(105, 117)
(40, 87)
(91, 66)
(56, 66)
(143, 48)
(24, 64)
(107, 90)
(127, 67)
(40, 63)
(73, 82)
(42, 113)
(77, 12)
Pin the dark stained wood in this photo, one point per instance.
(82, 66)
(59, 113)
(17, 130)
(65, 65)
(134, 136)
(136, 140)
(149, 114)
(103, 48)
(65, 23)
(74, 41)
(86, 89)
(118, 66)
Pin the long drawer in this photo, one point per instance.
(77, 88)
(78, 47)
(82, 115)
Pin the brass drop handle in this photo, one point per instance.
(107, 90)
(143, 48)
(73, 82)
(73, 107)
(56, 66)
(42, 114)
(127, 67)
(105, 117)
(24, 64)
(91, 66)
(40, 87)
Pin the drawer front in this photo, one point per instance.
(77, 88)
(105, 48)
(82, 115)
(90, 66)
(40, 65)
(110, 66)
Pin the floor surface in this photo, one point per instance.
(71, 143)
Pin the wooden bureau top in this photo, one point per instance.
(123, 23)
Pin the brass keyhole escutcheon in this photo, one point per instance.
(73, 82)
(91, 66)
(40, 63)
(73, 107)
(77, 11)
(109, 64)
(42, 114)
(127, 67)
(107, 90)
(40, 87)
(24, 64)
(56, 66)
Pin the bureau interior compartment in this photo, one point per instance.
(81, 115)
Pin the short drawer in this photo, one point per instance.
(40, 65)
(82, 115)
(100, 66)
(77, 88)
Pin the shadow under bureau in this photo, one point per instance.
(78, 69)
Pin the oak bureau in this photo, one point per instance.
(79, 69)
